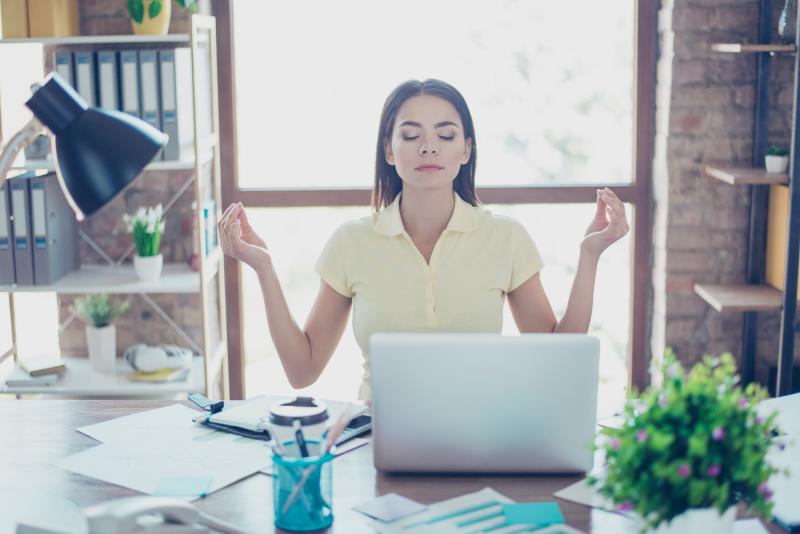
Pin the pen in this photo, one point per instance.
(301, 440)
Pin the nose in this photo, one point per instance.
(428, 148)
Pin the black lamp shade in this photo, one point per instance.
(98, 152)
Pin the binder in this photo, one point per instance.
(129, 82)
(23, 251)
(64, 66)
(148, 73)
(107, 80)
(54, 231)
(85, 77)
(177, 97)
(6, 244)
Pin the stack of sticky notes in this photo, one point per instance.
(536, 514)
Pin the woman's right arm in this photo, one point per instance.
(303, 352)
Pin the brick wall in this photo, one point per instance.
(140, 324)
(705, 103)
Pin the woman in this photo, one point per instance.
(429, 258)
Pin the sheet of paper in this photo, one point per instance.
(788, 409)
(541, 514)
(467, 513)
(140, 465)
(582, 493)
(749, 526)
(390, 507)
(183, 486)
(170, 422)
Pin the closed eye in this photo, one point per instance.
(443, 137)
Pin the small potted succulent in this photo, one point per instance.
(777, 160)
(98, 311)
(690, 452)
(146, 228)
(151, 17)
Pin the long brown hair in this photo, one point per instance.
(388, 183)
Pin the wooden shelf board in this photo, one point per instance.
(738, 48)
(175, 278)
(100, 39)
(740, 297)
(734, 175)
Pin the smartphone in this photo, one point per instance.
(357, 426)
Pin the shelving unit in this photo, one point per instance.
(209, 372)
(756, 296)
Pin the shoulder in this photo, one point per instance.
(354, 231)
(498, 224)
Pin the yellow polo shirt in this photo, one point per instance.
(478, 259)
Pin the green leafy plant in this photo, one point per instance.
(775, 150)
(136, 8)
(146, 228)
(98, 309)
(697, 442)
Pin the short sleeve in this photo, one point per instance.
(331, 264)
(526, 260)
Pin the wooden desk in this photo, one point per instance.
(35, 433)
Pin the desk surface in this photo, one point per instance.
(36, 433)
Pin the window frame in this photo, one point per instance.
(637, 192)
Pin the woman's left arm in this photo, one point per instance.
(529, 304)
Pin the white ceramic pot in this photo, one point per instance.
(699, 521)
(776, 164)
(102, 344)
(148, 268)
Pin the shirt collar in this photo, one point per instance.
(463, 219)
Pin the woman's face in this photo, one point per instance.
(427, 145)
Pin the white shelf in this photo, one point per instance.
(101, 39)
(175, 278)
(80, 380)
(186, 164)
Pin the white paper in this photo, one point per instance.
(582, 493)
(786, 489)
(167, 423)
(389, 507)
(489, 501)
(140, 465)
(788, 409)
(749, 526)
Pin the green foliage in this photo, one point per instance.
(146, 228)
(98, 309)
(136, 8)
(695, 443)
(776, 150)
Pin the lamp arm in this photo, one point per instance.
(19, 141)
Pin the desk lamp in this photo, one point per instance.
(97, 152)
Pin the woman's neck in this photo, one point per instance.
(425, 213)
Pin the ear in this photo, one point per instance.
(387, 148)
(467, 151)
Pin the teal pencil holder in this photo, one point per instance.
(302, 488)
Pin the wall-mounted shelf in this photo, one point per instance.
(740, 297)
(101, 39)
(744, 175)
(743, 48)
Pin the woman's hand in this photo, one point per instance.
(609, 224)
(239, 240)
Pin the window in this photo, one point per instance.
(562, 99)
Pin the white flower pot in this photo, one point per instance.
(699, 521)
(776, 164)
(148, 268)
(102, 344)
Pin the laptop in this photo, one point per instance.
(484, 403)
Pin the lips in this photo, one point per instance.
(429, 168)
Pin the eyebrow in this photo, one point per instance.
(437, 125)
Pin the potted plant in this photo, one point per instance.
(99, 312)
(691, 451)
(151, 17)
(776, 160)
(146, 228)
